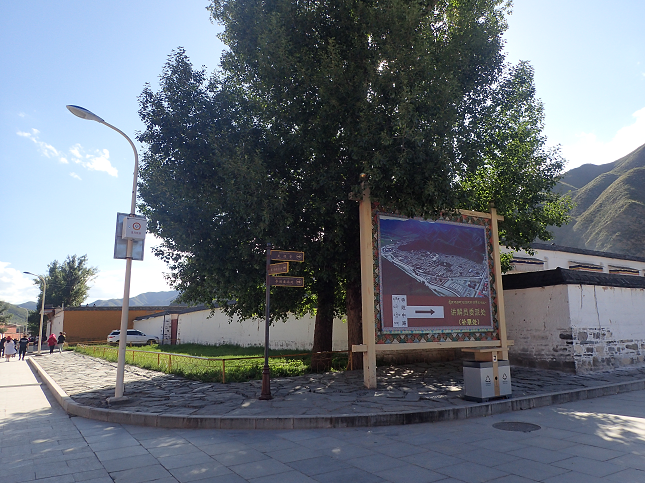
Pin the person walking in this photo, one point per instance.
(9, 348)
(2, 342)
(51, 342)
(23, 343)
(61, 341)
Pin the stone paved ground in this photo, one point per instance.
(599, 440)
(90, 381)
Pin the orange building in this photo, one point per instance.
(93, 323)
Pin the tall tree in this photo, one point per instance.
(67, 282)
(311, 94)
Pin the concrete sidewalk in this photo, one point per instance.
(406, 394)
(598, 440)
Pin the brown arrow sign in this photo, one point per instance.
(287, 256)
(276, 268)
(286, 281)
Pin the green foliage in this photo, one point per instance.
(310, 95)
(67, 282)
(33, 323)
(517, 171)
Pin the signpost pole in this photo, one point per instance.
(266, 382)
(367, 289)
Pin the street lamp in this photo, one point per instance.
(42, 311)
(120, 370)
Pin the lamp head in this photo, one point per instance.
(84, 113)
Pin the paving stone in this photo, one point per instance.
(412, 387)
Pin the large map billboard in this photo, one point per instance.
(434, 276)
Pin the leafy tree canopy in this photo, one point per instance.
(67, 282)
(311, 94)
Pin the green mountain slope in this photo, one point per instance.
(19, 316)
(610, 209)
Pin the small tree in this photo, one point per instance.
(67, 282)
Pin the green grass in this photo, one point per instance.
(173, 360)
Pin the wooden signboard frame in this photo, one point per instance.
(492, 347)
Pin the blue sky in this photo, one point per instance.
(64, 179)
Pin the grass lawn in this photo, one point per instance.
(224, 363)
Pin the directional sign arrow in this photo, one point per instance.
(286, 281)
(287, 256)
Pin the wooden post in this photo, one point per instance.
(499, 289)
(367, 290)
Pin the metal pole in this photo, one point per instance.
(42, 311)
(266, 381)
(85, 114)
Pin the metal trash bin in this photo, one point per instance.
(479, 380)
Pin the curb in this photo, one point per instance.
(474, 410)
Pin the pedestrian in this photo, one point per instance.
(51, 342)
(2, 342)
(9, 348)
(23, 343)
(61, 341)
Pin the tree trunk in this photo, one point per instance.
(323, 329)
(354, 323)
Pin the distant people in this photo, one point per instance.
(9, 348)
(2, 342)
(61, 341)
(51, 342)
(23, 343)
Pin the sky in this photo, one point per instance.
(63, 179)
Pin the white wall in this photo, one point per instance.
(538, 321)
(152, 326)
(579, 328)
(203, 328)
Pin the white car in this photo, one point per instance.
(134, 337)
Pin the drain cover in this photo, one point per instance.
(516, 426)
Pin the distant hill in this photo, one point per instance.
(28, 305)
(154, 299)
(19, 316)
(610, 206)
(150, 299)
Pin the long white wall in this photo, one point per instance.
(202, 327)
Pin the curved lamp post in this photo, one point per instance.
(42, 311)
(90, 116)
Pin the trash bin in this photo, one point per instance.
(479, 380)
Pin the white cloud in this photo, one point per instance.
(15, 286)
(589, 149)
(101, 162)
(98, 161)
(75, 176)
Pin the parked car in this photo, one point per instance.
(134, 337)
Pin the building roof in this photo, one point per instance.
(173, 310)
(583, 251)
(563, 276)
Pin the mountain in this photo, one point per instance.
(610, 206)
(19, 316)
(154, 299)
(28, 305)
